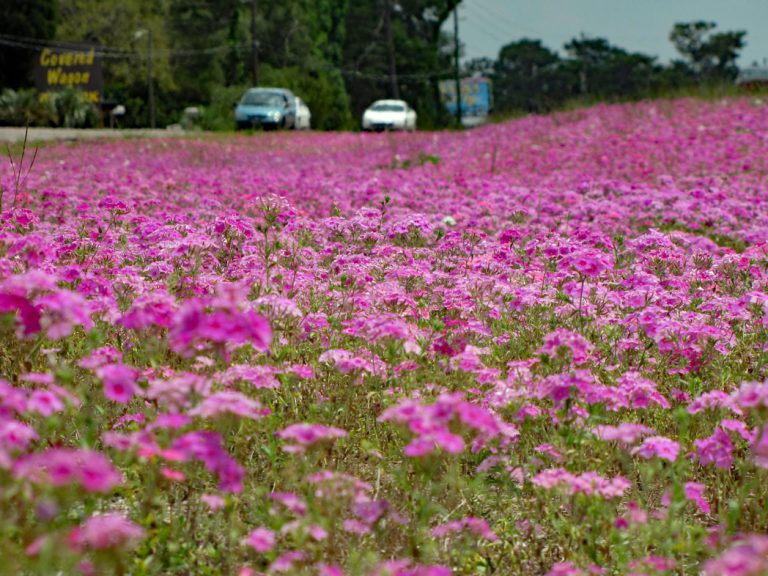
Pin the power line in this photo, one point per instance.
(106, 52)
(36, 44)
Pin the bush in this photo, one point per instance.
(219, 114)
(72, 110)
(23, 108)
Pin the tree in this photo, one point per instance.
(528, 76)
(34, 19)
(608, 71)
(418, 42)
(711, 56)
(113, 26)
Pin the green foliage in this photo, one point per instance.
(529, 76)
(72, 110)
(29, 19)
(322, 91)
(22, 108)
(218, 115)
(710, 55)
(608, 71)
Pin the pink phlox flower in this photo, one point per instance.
(477, 526)
(658, 446)
(12, 399)
(276, 307)
(626, 433)
(261, 539)
(113, 205)
(374, 328)
(28, 313)
(468, 360)
(589, 483)
(100, 357)
(303, 371)
(760, 447)
(739, 428)
(654, 563)
(119, 382)
(345, 361)
(176, 392)
(257, 376)
(408, 568)
(287, 561)
(291, 501)
(106, 531)
(137, 418)
(580, 348)
(355, 526)
(640, 392)
(232, 225)
(430, 423)
(197, 324)
(229, 402)
(716, 449)
(154, 309)
(207, 448)
(169, 421)
(587, 262)
(747, 556)
(331, 484)
(41, 378)
(329, 570)
(15, 436)
(565, 569)
(751, 395)
(579, 384)
(305, 434)
(695, 493)
(61, 311)
(213, 501)
(713, 400)
(550, 451)
(44, 402)
(63, 466)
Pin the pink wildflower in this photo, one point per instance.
(658, 446)
(304, 434)
(748, 556)
(106, 531)
(261, 539)
(119, 382)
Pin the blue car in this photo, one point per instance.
(268, 108)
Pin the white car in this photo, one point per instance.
(303, 115)
(389, 115)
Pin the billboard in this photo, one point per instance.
(476, 96)
(77, 66)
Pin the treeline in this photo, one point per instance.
(529, 76)
(339, 55)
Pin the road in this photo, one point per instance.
(14, 135)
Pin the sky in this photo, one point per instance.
(635, 25)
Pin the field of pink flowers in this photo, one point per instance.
(534, 348)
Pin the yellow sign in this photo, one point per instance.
(72, 66)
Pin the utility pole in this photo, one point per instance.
(150, 80)
(254, 45)
(394, 88)
(456, 73)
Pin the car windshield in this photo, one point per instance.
(387, 107)
(262, 99)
